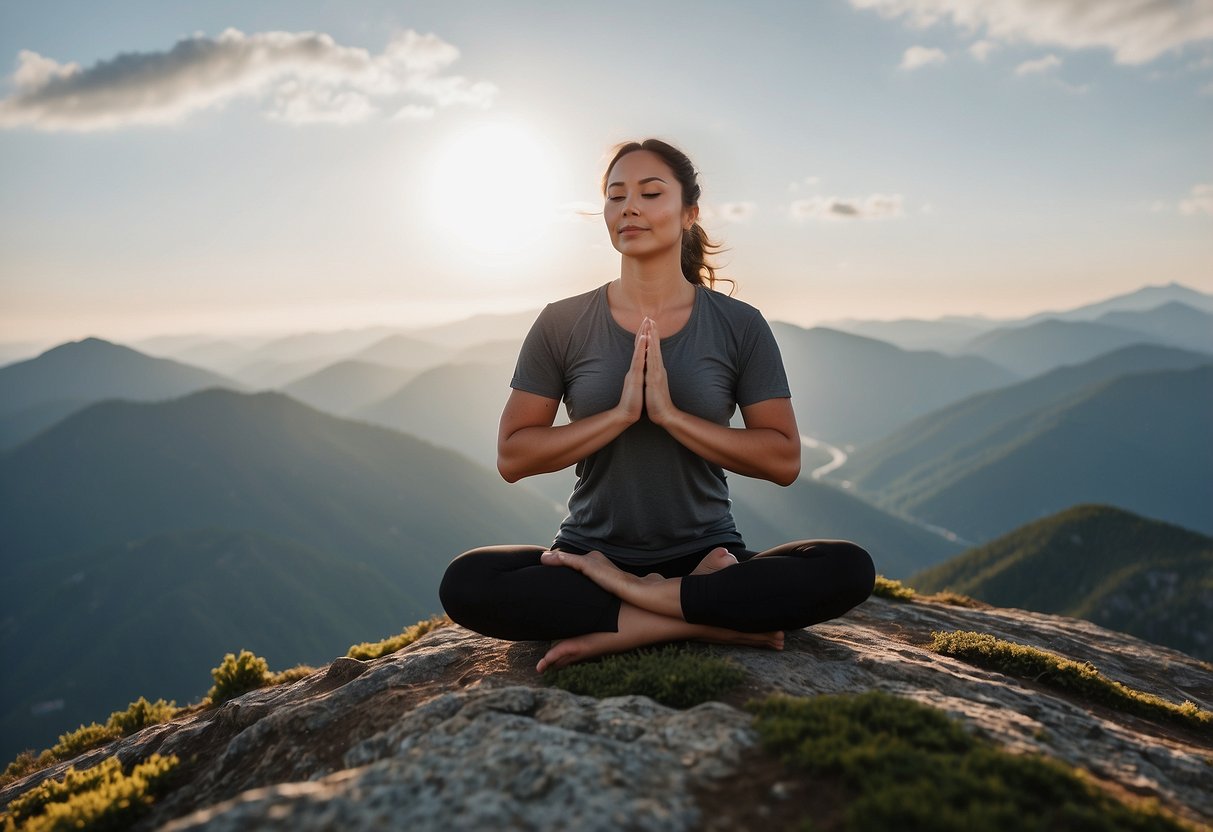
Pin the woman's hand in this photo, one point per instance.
(632, 399)
(657, 399)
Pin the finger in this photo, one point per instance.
(655, 346)
(638, 354)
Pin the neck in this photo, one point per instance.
(653, 287)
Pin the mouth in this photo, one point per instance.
(631, 229)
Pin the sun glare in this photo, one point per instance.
(492, 189)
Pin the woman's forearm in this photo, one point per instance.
(761, 452)
(541, 449)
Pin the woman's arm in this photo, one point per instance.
(768, 447)
(528, 443)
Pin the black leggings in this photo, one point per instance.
(504, 591)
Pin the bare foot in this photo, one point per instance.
(597, 567)
(653, 577)
(638, 627)
(717, 559)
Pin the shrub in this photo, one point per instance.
(102, 797)
(903, 765)
(891, 589)
(25, 763)
(674, 675)
(137, 716)
(955, 599)
(140, 714)
(237, 675)
(82, 739)
(291, 674)
(374, 649)
(1082, 679)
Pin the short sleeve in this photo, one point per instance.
(540, 367)
(761, 375)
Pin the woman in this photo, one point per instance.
(651, 367)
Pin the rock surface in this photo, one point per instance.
(458, 731)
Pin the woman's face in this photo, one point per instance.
(643, 211)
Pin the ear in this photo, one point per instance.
(692, 215)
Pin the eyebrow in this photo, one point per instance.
(643, 181)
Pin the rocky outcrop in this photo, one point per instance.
(458, 731)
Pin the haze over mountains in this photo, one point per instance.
(150, 503)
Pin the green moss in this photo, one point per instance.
(906, 766)
(137, 716)
(955, 599)
(82, 739)
(291, 674)
(674, 675)
(1082, 679)
(26, 762)
(100, 798)
(893, 590)
(140, 714)
(238, 674)
(374, 649)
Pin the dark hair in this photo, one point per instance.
(696, 245)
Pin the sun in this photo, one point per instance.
(492, 188)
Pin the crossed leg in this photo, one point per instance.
(639, 626)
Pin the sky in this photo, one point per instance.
(237, 168)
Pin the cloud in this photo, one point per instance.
(873, 207)
(1136, 31)
(736, 211)
(305, 78)
(982, 49)
(920, 56)
(1038, 66)
(1199, 201)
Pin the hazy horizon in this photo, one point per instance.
(185, 168)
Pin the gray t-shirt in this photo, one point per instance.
(644, 497)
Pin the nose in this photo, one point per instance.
(629, 205)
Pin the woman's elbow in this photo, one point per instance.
(508, 469)
(788, 470)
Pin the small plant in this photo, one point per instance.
(955, 599)
(893, 590)
(82, 739)
(673, 675)
(237, 675)
(102, 797)
(1080, 678)
(291, 674)
(374, 649)
(137, 716)
(140, 714)
(25, 763)
(902, 765)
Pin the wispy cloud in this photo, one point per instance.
(873, 207)
(304, 78)
(982, 49)
(1136, 31)
(1198, 201)
(919, 56)
(1038, 66)
(737, 211)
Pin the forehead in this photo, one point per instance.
(640, 164)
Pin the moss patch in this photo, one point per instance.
(102, 797)
(137, 716)
(893, 590)
(374, 649)
(1080, 678)
(674, 675)
(910, 767)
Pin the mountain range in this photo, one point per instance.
(1111, 567)
(115, 495)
